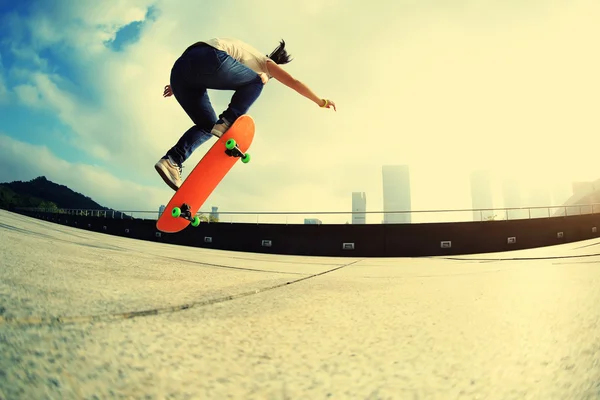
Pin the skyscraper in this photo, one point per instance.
(396, 193)
(359, 204)
(481, 194)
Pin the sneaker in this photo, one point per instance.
(220, 128)
(170, 172)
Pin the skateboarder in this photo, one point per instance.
(222, 64)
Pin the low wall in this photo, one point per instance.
(385, 240)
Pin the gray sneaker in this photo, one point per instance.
(169, 172)
(220, 128)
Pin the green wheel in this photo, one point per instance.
(196, 221)
(246, 158)
(230, 144)
(176, 212)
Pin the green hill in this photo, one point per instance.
(43, 189)
(40, 192)
(9, 199)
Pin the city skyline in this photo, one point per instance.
(484, 193)
(487, 191)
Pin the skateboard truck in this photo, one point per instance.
(184, 212)
(234, 151)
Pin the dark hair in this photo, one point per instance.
(280, 55)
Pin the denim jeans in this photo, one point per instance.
(201, 68)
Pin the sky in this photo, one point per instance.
(447, 88)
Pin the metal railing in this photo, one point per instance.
(346, 217)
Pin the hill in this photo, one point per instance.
(61, 195)
(40, 192)
(9, 199)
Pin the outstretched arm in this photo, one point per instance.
(284, 77)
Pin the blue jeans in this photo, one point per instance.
(201, 68)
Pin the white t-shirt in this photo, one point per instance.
(242, 52)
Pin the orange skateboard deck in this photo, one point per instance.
(206, 175)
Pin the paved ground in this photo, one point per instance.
(85, 315)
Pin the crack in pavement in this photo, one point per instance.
(62, 320)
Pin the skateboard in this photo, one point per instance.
(206, 175)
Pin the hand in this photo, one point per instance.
(326, 103)
(264, 78)
(168, 92)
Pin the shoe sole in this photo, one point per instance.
(165, 177)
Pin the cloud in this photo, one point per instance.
(24, 161)
(44, 93)
(29, 95)
(445, 88)
(84, 26)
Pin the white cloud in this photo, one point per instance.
(72, 111)
(445, 88)
(24, 161)
(83, 26)
(29, 95)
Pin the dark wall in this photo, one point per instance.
(385, 240)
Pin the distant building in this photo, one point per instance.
(312, 221)
(396, 194)
(359, 205)
(214, 214)
(512, 195)
(586, 196)
(481, 195)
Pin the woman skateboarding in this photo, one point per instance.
(221, 64)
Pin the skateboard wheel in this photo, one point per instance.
(230, 144)
(196, 221)
(176, 212)
(246, 158)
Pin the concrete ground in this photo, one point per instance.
(85, 315)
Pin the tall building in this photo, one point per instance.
(481, 195)
(396, 194)
(161, 209)
(359, 205)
